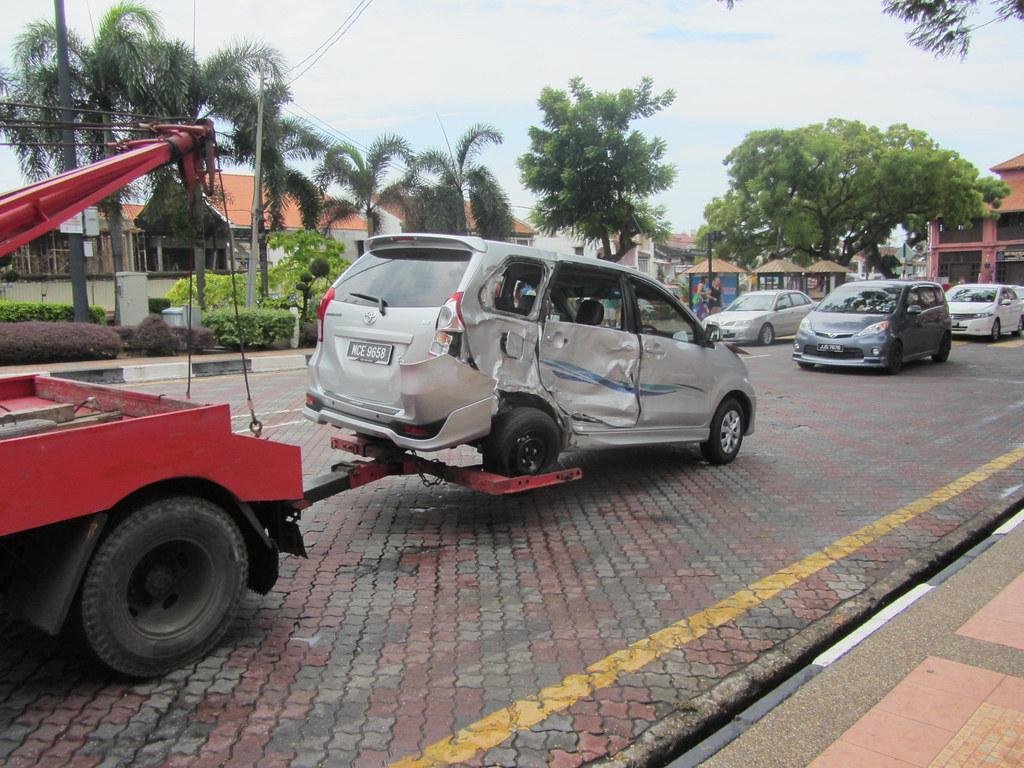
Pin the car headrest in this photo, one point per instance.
(591, 312)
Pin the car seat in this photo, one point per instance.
(591, 312)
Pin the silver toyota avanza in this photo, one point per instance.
(433, 341)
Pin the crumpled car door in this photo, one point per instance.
(591, 372)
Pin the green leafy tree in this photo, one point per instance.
(944, 27)
(310, 259)
(442, 182)
(219, 291)
(363, 177)
(835, 189)
(592, 173)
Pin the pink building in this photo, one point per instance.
(991, 250)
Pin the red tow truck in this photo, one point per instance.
(143, 518)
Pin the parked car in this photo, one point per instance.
(432, 341)
(760, 316)
(986, 309)
(876, 324)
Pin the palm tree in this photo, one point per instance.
(129, 69)
(363, 176)
(444, 181)
(108, 80)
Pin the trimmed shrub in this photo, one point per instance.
(125, 332)
(202, 339)
(154, 337)
(156, 306)
(37, 311)
(48, 342)
(259, 327)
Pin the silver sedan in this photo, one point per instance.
(760, 316)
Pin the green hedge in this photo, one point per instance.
(37, 311)
(156, 306)
(260, 327)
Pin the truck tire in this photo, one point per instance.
(163, 587)
(523, 441)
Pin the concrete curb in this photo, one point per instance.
(701, 716)
(140, 374)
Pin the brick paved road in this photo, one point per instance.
(422, 611)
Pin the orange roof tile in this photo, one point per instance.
(238, 198)
(824, 265)
(1013, 164)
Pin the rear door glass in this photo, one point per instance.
(405, 277)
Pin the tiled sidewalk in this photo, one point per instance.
(945, 714)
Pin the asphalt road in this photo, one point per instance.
(613, 619)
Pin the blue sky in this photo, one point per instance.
(412, 67)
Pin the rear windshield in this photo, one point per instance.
(406, 277)
(862, 300)
(752, 302)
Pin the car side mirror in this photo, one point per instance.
(712, 333)
(914, 309)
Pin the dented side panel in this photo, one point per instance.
(591, 373)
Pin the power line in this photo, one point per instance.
(325, 42)
(335, 37)
(121, 113)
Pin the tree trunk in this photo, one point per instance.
(606, 248)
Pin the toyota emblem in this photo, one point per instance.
(370, 318)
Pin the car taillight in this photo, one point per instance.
(449, 327)
(321, 311)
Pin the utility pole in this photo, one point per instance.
(257, 204)
(76, 251)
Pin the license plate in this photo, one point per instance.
(363, 351)
(830, 347)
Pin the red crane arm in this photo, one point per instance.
(30, 211)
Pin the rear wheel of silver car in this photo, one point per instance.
(894, 362)
(726, 434)
(944, 346)
(766, 335)
(996, 330)
(523, 441)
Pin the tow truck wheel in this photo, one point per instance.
(162, 588)
(523, 441)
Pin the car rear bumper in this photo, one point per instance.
(442, 402)
(463, 425)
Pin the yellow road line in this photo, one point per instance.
(521, 715)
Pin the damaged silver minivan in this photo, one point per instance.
(433, 341)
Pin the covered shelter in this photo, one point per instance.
(734, 279)
(781, 273)
(823, 276)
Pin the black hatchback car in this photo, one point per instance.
(876, 324)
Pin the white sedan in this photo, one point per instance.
(985, 309)
(760, 316)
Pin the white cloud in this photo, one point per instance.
(766, 63)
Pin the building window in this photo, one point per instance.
(578, 250)
(643, 263)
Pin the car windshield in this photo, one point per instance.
(752, 302)
(972, 295)
(408, 277)
(862, 300)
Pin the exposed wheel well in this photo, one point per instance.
(509, 400)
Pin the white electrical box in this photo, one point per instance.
(132, 297)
